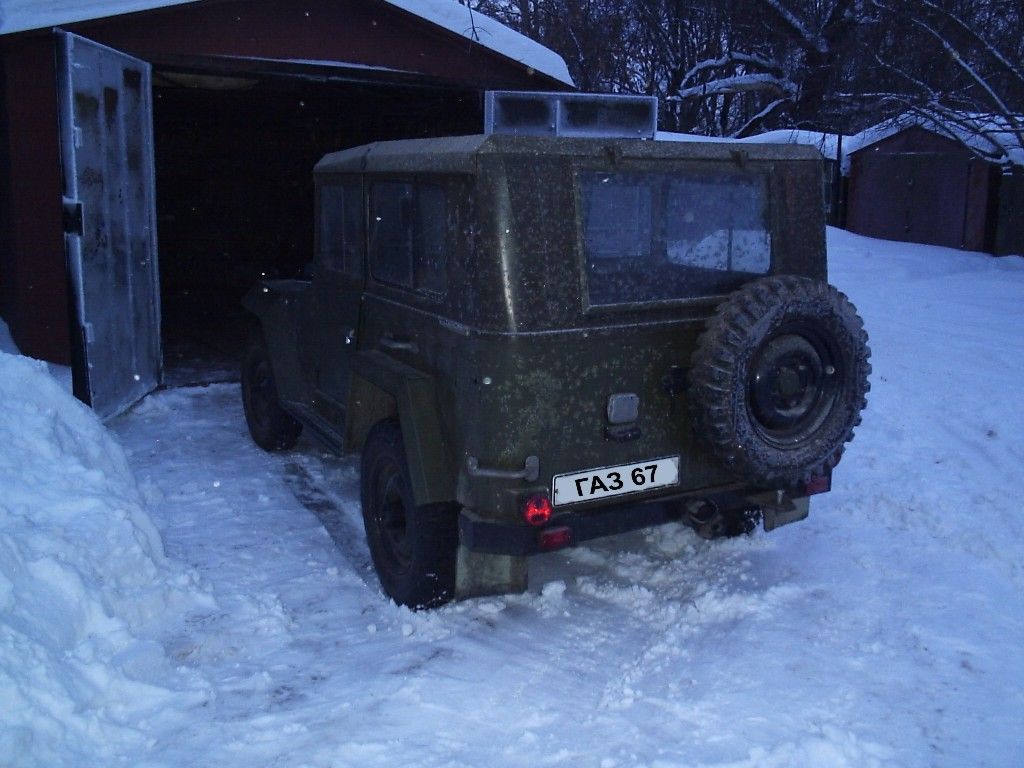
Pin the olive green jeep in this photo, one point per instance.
(537, 341)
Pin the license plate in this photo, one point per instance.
(600, 483)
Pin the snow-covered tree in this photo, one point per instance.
(735, 67)
(958, 64)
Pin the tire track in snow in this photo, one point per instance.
(346, 534)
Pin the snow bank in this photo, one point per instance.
(6, 340)
(82, 574)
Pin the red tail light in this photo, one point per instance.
(821, 484)
(554, 538)
(537, 510)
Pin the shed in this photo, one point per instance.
(928, 183)
(156, 155)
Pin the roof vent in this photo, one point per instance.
(589, 115)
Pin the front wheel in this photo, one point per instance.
(413, 546)
(271, 427)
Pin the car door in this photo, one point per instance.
(338, 277)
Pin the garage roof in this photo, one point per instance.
(24, 15)
(994, 137)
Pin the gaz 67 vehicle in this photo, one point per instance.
(534, 341)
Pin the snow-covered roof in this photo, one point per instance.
(22, 15)
(459, 19)
(826, 143)
(673, 136)
(991, 136)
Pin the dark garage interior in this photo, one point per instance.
(234, 190)
(128, 270)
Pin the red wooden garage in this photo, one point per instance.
(929, 183)
(156, 157)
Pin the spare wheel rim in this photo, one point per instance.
(792, 384)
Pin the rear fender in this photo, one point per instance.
(384, 388)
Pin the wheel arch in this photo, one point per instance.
(273, 305)
(381, 388)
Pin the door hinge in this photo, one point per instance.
(74, 223)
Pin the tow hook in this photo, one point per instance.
(780, 509)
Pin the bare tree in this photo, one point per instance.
(736, 67)
(959, 67)
(593, 36)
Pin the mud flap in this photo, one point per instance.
(480, 575)
(790, 511)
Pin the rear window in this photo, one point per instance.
(657, 236)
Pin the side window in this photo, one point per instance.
(341, 228)
(391, 232)
(431, 239)
(409, 235)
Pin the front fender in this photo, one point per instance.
(277, 303)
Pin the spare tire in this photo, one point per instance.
(779, 378)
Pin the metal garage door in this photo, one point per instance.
(110, 221)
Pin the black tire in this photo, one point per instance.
(413, 547)
(779, 378)
(271, 427)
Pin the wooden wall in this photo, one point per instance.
(920, 187)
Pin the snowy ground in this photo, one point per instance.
(886, 630)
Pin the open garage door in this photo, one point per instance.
(110, 222)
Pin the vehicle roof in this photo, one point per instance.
(459, 154)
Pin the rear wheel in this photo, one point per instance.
(413, 546)
(271, 427)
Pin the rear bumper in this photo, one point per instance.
(485, 536)
(493, 538)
